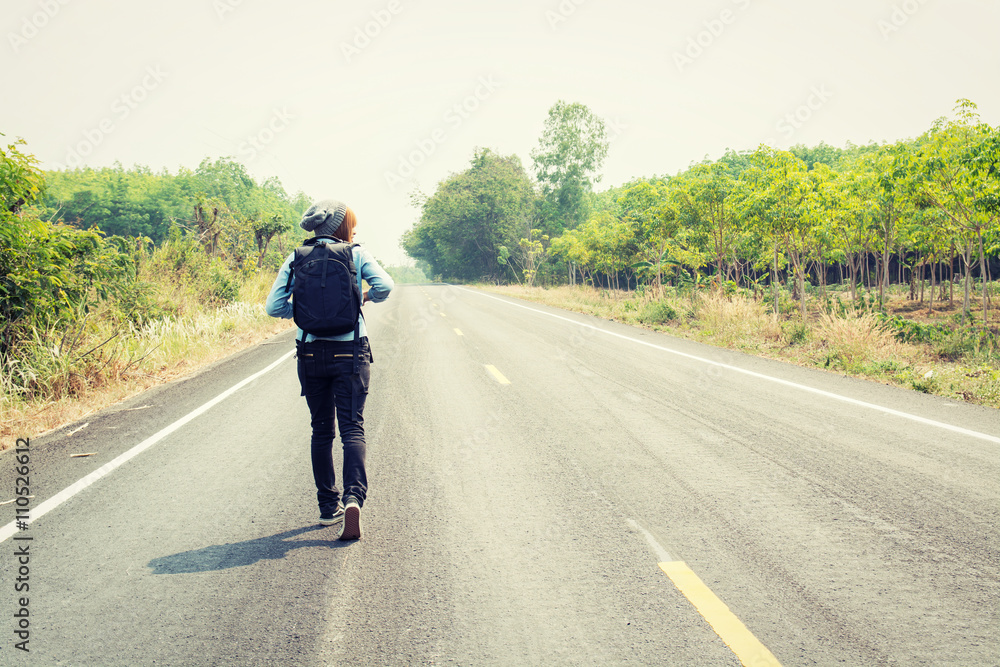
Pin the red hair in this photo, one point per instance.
(345, 232)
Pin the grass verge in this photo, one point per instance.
(940, 359)
(71, 380)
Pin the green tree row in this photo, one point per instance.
(879, 213)
(110, 250)
(219, 202)
(49, 273)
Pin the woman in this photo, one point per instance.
(326, 368)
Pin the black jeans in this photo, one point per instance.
(331, 388)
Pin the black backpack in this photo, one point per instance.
(326, 298)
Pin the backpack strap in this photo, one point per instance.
(357, 342)
(291, 271)
(356, 379)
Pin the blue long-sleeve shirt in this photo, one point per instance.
(380, 284)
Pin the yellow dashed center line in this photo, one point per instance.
(459, 332)
(497, 374)
(443, 315)
(732, 631)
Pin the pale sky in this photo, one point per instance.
(365, 118)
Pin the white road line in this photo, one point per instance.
(658, 549)
(787, 383)
(75, 488)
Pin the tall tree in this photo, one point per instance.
(776, 202)
(567, 160)
(705, 194)
(471, 216)
(890, 168)
(953, 184)
(652, 214)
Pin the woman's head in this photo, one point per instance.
(330, 217)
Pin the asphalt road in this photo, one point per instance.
(530, 469)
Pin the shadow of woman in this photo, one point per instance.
(238, 554)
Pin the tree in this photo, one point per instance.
(531, 254)
(821, 218)
(648, 209)
(471, 216)
(573, 248)
(888, 171)
(775, 201)
(234, 217)
(704, 194)
(21, 182)
(569, 155)
(984, 160)
(49, 273)
(951, 182)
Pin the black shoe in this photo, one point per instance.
(352, 520)
(329, 517)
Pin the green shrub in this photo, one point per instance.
(925, 383)
(881, 367)
(224, 285)
(795, 332)
(950, 342)
(658, 312)
(971, 343)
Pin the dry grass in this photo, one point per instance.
(734, 321)
(603, 303)
(855, 343)
(858, 338)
